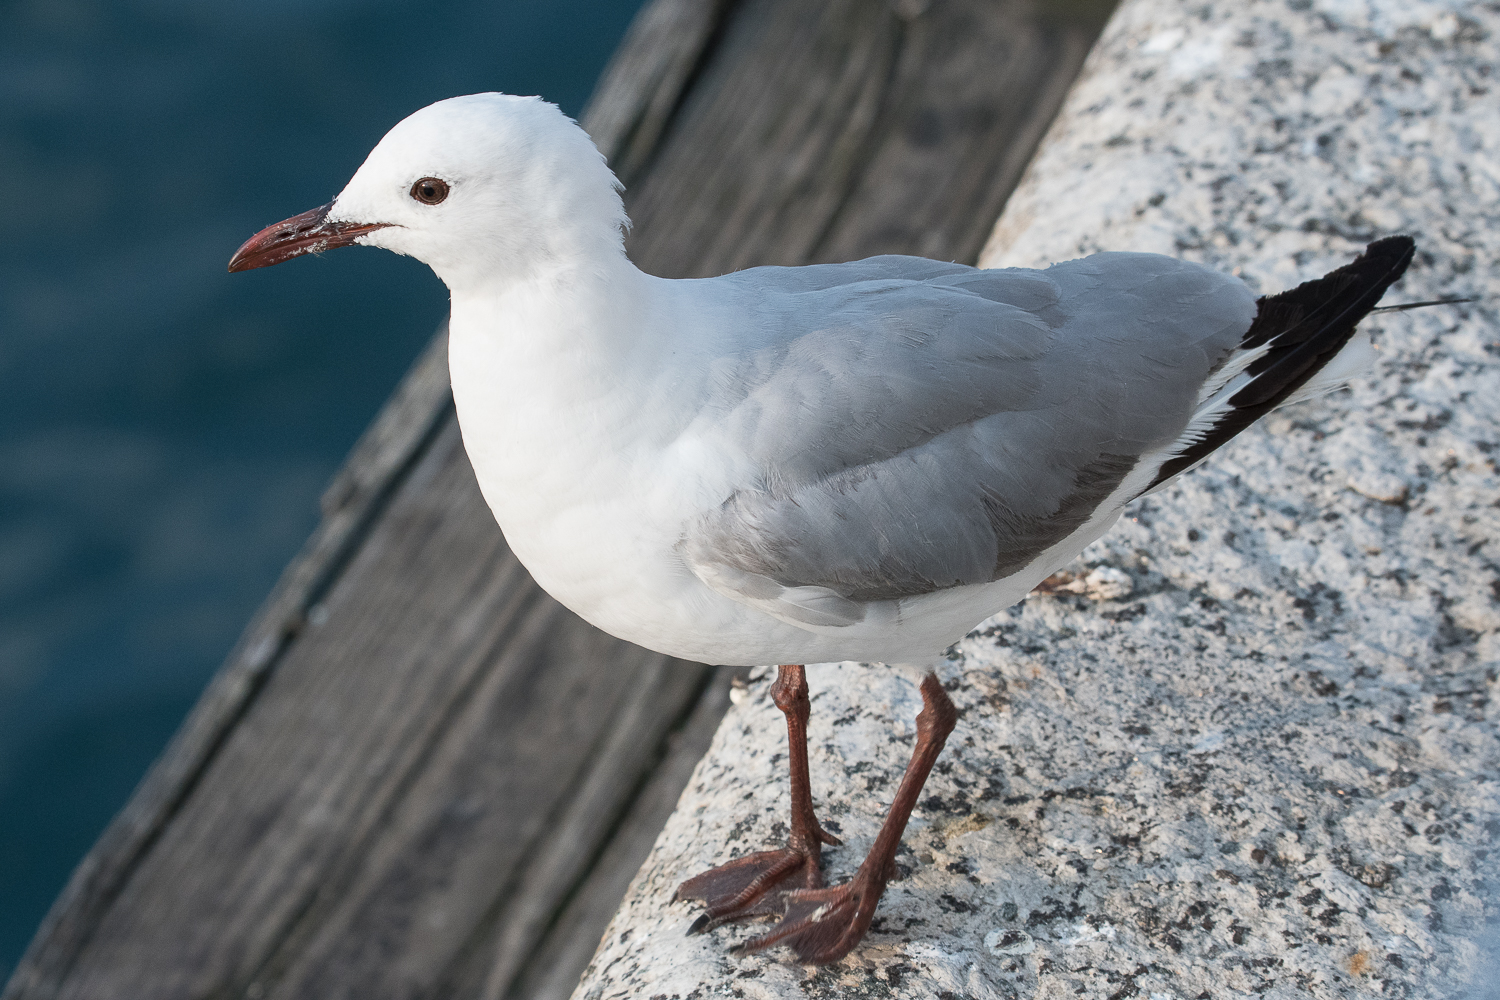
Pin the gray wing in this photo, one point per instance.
(939, 425)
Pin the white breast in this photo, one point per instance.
(575, 442)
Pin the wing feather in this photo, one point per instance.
(942, 427)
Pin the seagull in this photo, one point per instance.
(790, 465)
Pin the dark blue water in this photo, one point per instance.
(166, 428)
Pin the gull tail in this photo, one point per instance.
(1301, 343)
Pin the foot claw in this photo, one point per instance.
(821, 925)
(744, 887)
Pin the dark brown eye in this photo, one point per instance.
(429, 190)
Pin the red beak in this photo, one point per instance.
(305, 233)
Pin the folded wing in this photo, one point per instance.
(942, 426)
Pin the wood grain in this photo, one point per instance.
(408, 767)
(835, 130)
(644, 83)
(419, 776)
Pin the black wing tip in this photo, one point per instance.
(1394, 253)
(1381, 265)
(1304, 328)
(1400, 247)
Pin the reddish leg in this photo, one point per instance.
(823, 925)
(743, 887)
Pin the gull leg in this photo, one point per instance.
(742, 887)
(822, 925)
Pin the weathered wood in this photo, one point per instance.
(417, 775)
(643, 84)
(554, 969)
(836, 130)
(372, 797)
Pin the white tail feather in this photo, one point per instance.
(1354, 359)
(1239, 360)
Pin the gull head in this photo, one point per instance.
(486, 189)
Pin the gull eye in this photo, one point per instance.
(429, 190)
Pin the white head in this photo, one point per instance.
(484, 189)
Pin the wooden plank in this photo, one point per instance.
(553, 970)
(371, 802)
(417, 775)
(835, 130)
(643, 85)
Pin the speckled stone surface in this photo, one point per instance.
(1248, 746)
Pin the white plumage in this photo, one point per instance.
(786, 465)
